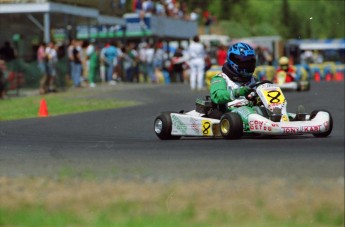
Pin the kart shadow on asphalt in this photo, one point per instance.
(254, 137)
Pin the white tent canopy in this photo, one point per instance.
(49, 9)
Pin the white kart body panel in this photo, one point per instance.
(194, 124)
(293, 86)
(320, 123)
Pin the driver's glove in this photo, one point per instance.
(242, 91)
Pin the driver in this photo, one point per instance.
(286, 68)
(236, 76)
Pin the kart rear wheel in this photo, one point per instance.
(231, 126)
(330, 127)
(163, 126)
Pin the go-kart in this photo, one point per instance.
(263, 112)
(296, 85)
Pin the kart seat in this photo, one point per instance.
(210, 109)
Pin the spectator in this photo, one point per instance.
(148, 6)
(110, 56)
(221, 55)
(7, 52)
(127, 63)
(183, 11)
(3, 78)
(307, 57)
(42, 66)
(117, 65)
(70, 56)
(102, 64)
(133, 75)
(149, 55)
(317, 57)
(263, 56)
(159, 8)
(84, 60)
(122, 4)
(93, 63)
(142, 60)
(208, 20)
(169, 8)
(194, 15)
(177, 65)
(158, 58)
(137, 6)
(196, 53)
(76, 68)
(51, 56)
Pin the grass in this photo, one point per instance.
(79, 201)
(74, 101)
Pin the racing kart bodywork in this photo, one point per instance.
(266, 116)
(297, 85)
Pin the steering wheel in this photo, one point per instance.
(258, 83)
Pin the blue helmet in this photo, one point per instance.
(241, 60)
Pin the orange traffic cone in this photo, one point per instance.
(317, 77)
(43, 111)
(339, 76)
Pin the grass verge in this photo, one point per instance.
(74, 101)
(239, 202)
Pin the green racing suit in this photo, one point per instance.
(223, 91)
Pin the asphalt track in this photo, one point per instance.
(121, 143)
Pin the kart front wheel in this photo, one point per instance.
(163, 126)
(330, 126)
(231, 126)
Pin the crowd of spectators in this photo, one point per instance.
(92, 63)
(112, 62)
(170, 8)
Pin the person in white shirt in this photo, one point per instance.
(196, 53)
(52, 59)
(149, 55)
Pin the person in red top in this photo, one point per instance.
(221, 55)
(285, 70)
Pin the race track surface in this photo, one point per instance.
(121, 143)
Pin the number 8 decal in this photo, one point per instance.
(206, 127)
(274, 95)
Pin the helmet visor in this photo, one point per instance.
(246, 64)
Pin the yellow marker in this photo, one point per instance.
(206, 128)
(285, 118)
(274, 96)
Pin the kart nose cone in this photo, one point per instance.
(158, 126)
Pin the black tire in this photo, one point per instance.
(323, 134)
(163, 126)
(308, 87)
(231, 126)
(301, 87)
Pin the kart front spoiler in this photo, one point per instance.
(319, 124)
